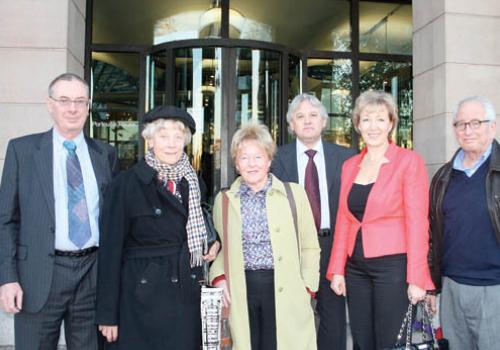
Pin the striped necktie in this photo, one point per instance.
(78, 215)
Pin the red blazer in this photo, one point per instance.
(395, 219)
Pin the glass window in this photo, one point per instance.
(313, 24)
(258, 80)
(138, 22)
(294, 77)
(115, 101)
(198, 89)
(396, 79)
(158, 89)
(330, 81)
(385, 27)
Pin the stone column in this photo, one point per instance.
(456, 53)
(39, 39)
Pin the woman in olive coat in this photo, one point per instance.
(152, 242)
(272, 269)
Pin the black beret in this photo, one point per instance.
(170, 112)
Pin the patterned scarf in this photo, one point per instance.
(195, 227)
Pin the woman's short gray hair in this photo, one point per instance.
(375, 98)
(152, 128)
(305, 97)
(487, 105)
(253, 131)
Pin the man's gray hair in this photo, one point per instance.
(487, 105)
(305, 97)
(68, 77)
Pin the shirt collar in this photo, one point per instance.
(59, 139)
(246, 190)
(301, 148)
(458, 162)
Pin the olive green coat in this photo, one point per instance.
(292, 274)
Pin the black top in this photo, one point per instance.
(356, 202)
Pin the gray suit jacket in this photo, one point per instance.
(27, 212)
(284, 166)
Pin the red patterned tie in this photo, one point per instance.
(311, 184)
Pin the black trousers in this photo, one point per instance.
(377, 299)
(329, 306)
(261, 309)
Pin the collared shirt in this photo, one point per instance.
(319, 160)
(458, 162)
(62, 241)
(257, 249)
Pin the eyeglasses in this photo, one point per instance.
(473, 124)
(66, 102)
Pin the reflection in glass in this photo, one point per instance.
(385, 28)
(396, 79)
(330, 81)
(294, 77)
(258, 87)
(198, 89)
(115, 99)
(313, 24)
(158, 89)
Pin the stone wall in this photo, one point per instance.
(39, 39)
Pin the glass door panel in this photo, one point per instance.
(330, 80)
(115, 103)
(197, 84)
(258, 84)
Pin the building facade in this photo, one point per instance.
(229, 62)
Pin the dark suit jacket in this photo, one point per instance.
(27, 212)
(284, 166)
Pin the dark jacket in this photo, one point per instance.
(27, 211)
(145, 283)
(438, 188)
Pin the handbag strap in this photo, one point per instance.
(293, 207)
(225, 201)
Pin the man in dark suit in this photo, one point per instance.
(50, 195)
(317, 165)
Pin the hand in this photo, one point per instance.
(415, 294)
(226, 300)
(431, 302)
(11, 297)
(212, 252)
(109, 332)
(338, 285)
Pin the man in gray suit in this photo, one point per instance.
(317, 165)
(50, 195)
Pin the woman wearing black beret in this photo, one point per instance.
(152, 244)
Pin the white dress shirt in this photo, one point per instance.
(319, 161)
(62, 241)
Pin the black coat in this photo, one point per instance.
(145, 283)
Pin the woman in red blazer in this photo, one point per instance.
(379, 254)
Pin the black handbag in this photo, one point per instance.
(428, 341)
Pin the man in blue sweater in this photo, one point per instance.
(465, 231)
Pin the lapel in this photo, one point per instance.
(101, 165)
(289, 162)
(153, 191)
(43, 158)
(332, 166)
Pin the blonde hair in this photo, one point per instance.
(253, 132)
(375, 98)
(152, 128)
